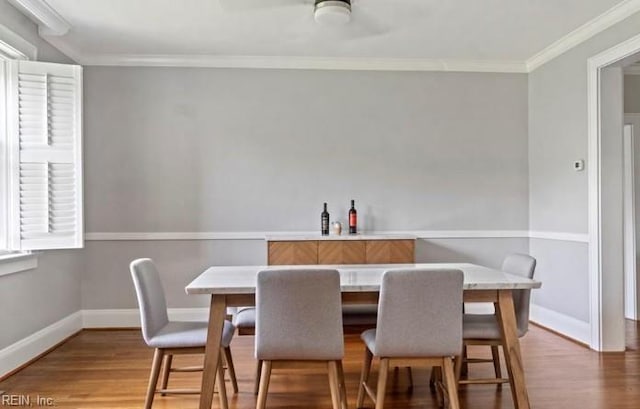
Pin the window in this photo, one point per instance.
(40, 155)
(4, 221)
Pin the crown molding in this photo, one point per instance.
(607, 19)
(285, 62)
(15, 47)
(49, 22)
(293, 62)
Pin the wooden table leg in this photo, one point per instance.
(217, 313)
(508, 326)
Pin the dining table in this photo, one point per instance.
(235, 286)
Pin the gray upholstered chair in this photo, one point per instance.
(419, 323)
(299, 318)
(483, 329)
(172, 337)
(355, 318)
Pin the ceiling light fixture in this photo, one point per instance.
(332, 12)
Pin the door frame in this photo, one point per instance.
(601, 303)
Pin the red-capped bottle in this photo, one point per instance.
(353, 218)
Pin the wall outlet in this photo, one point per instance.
(578, 165)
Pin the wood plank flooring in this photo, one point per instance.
(109, 369)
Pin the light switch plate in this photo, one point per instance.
(578, 165)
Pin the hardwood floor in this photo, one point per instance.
(109, 369)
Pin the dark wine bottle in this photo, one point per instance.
(324, 221)
(353, 218)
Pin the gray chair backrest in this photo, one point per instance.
(420, 313)
(153, 306)
(521, 265)
(299, 315)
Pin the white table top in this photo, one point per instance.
(353, 278)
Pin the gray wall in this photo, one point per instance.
(260, 150)
(32, 300)
(632, 94)
(252, 150)
(558, 194)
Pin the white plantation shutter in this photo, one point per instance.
(45, 156)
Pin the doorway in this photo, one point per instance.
(632, 204)
(630, 229)
(611, 211)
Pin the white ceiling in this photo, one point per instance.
(453, 30)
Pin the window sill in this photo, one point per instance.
(16, 262)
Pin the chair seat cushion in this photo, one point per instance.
(482, 326)
(369, 338)
(187, 334)
(245, 318)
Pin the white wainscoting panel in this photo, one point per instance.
(563, 324)
(26, 349)
(130, 318)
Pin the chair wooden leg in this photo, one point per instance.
(436, 372)
(166, 371)
(433, 379)
(343, 387)
(382, 382)
(256, 386)
(264, 384)
(222, 388)
(465, 368)
(410, 373)
(495, 353)
(451, 383)
(153, 378)
(457, 367)
(334, 384)
(232, 370)
(364, 376)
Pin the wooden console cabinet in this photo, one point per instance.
(334, 250)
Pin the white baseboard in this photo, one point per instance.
(130, 318)
(21, 352)
(563, 324)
